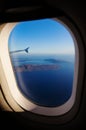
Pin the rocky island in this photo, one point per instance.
(35, 67)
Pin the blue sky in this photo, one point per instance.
(45, 36)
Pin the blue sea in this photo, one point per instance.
(50, 88)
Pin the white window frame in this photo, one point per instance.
(11, 85)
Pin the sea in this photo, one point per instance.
(48, 88)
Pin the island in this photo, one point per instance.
(35, 67)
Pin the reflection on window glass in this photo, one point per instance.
(43, 57)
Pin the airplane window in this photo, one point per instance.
(39, 66)
(42, 53)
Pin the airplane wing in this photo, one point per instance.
(26, 50)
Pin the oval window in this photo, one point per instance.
(43, 59)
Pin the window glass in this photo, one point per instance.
(42, 53)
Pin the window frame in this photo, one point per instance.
(75, 105)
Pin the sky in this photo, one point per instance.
(46, 36)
